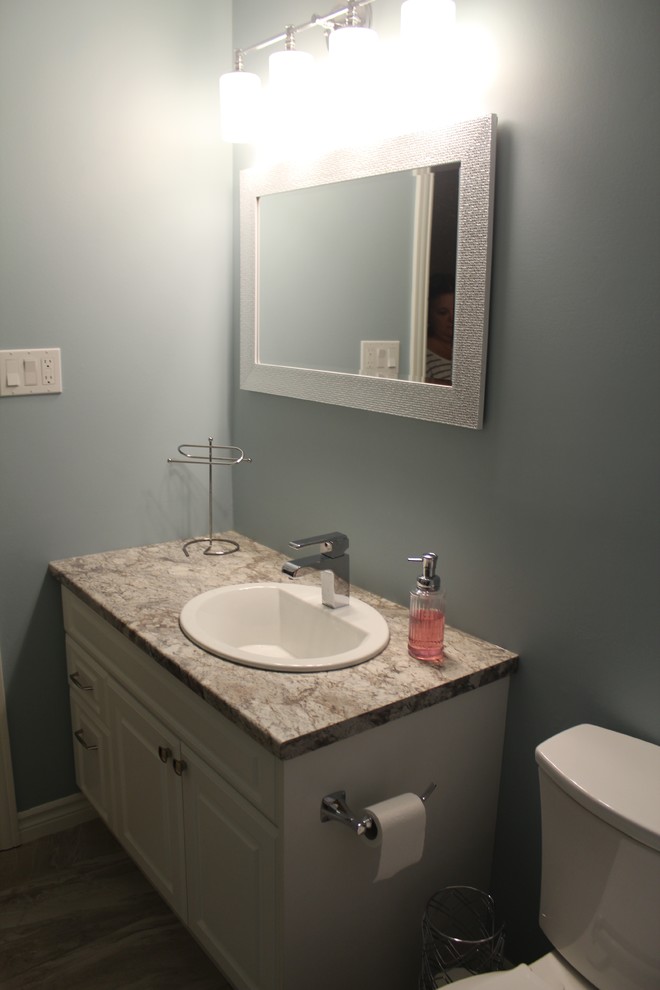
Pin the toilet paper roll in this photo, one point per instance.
(401, 828)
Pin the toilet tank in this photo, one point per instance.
(600, 884)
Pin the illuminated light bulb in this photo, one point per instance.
(240, 106)
(428, 60)
(289, 111)
(426, 23)
(478, 57)
(352, 45)
(287, 70)
(353, 81)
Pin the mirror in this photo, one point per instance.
(338, 257)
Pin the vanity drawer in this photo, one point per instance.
(92, 757)
(86, 679)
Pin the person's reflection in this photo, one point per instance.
(440, 336)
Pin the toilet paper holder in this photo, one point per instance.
(335, 809)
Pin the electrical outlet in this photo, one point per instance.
(47, 371)
(33, 372)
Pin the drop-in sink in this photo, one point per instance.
(283, 627)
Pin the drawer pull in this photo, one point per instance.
(80, 736)
(75, 679)
(164, 753)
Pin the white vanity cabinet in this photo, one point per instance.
(231, 833)
(189, 796)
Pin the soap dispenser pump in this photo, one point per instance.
(426, 634)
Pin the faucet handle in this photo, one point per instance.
(332, 544)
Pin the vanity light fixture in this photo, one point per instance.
(290, 68)
(352, 41)
(240, 103)
(352, 46)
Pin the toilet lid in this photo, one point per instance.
(610, 774)
(520, 978)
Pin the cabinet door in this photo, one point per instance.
(148, 795)
(230, 859)
(91, 752)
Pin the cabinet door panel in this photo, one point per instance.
(230, 858)
(91, 753)
(149, 812)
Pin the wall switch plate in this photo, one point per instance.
(34, 372)
(379, 358)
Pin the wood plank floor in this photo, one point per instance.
(76, 914)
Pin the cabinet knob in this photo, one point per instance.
(164, 753)
(179, 766)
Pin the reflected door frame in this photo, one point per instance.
(421, 257)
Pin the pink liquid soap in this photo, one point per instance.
(427, 635)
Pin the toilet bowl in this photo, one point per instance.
(600, 877)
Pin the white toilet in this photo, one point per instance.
(600, 886)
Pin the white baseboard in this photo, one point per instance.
(55, 816)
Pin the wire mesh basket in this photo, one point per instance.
(461, 937)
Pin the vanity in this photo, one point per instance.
(211, 774)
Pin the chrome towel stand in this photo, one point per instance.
(236, 456)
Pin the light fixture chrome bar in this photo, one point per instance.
(317, 20)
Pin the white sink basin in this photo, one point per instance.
(283, 627)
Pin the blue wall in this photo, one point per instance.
(115, 245)
(546, 522)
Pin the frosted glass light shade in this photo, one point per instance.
(426, 22)
(288, 70)
(352, 45)
(289, 100)
(240, 106)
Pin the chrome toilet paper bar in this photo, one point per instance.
(335, 809)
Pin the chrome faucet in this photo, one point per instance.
(332, 562)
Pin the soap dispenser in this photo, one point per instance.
(426, 634)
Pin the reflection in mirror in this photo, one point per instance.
(365, 275)
(440, 293)
(322, 286)
(440, 330)
(321, 239)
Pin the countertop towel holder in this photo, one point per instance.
(233, 456)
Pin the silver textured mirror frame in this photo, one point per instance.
(471, 143)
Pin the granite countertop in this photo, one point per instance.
(141, 591)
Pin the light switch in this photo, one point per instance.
(30, 367)
(13, 379)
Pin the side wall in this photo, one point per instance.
(115, 245)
